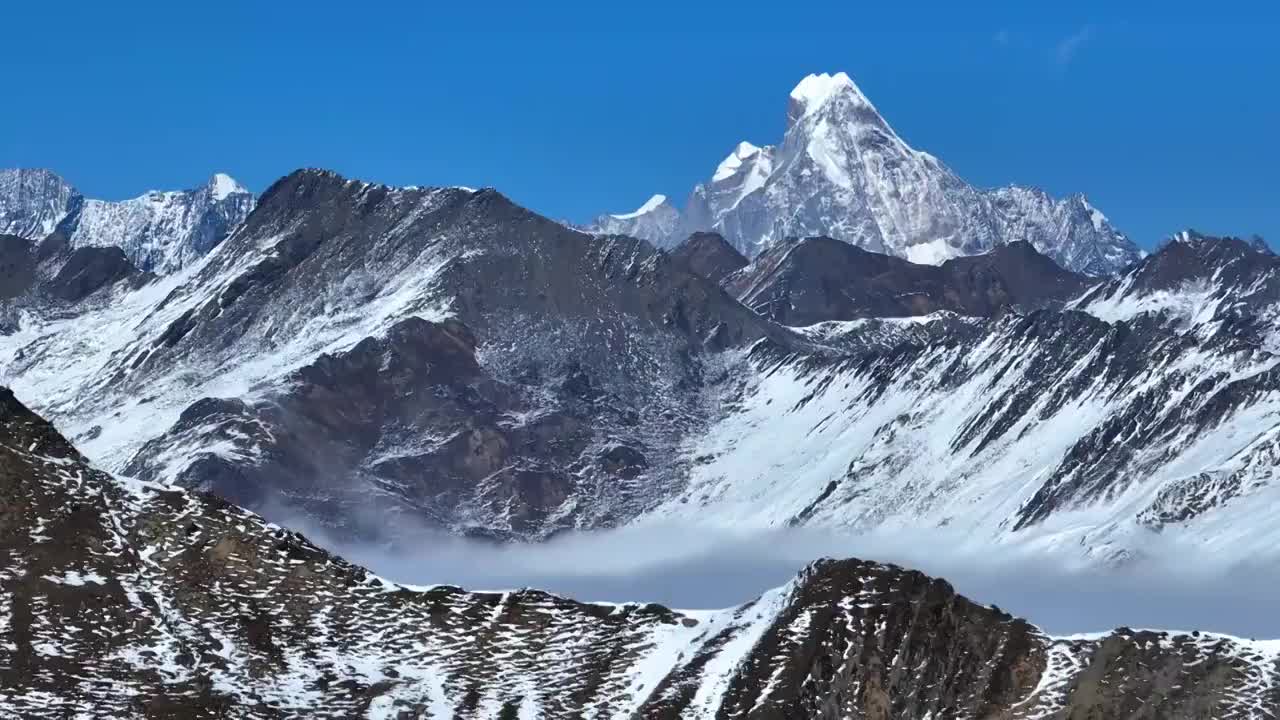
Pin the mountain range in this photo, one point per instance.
(159, 232)
(841, 171)
(363, 356)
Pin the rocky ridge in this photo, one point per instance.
(131, 599)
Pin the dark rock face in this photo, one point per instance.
(50, 279)
(17, 266)
(411, 416)
(559, 347)
(709, 255)
(818, 279)
(88, 270)
(126, 599)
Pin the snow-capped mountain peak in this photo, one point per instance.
(1095, 215)
(655, 221)
(649, 206)
(222, 185)
(33, 201)
(816, 91)
(733, 163)
(841, 171)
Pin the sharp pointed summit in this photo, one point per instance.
(841, 171)
(815, 92)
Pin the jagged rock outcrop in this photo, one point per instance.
(1196, 278)
(52, 278)
(33, 202)
(123, 599)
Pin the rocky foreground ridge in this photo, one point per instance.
(127, 599)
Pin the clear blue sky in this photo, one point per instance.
(1166, 118)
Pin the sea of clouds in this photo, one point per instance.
(697, 568)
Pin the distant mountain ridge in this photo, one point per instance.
(159, 232)
(802, 282)
(842, 172)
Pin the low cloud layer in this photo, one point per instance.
(687, 567)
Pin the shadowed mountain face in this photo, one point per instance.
(709, 255)
(819, 279)
(131, 599)
(356, 349)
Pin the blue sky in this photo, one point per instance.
(1164, 119)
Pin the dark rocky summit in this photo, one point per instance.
(128, 599)
(588, 344)
(709, 255)
(817, 279)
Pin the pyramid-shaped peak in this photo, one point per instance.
(815, 91)
(730, 165)
(221, 185)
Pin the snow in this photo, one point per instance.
(222, 185)
(846, 448)
(70, 360)
(841, 171)
(750, 622)
(165, 231)
(1099, 220)
(72, 577)
(1193, 303)
(933, 252)
(815, 90)
(649, 206)
(730, 165)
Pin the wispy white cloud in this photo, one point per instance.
(1070, 46)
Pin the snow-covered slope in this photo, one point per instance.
(1109, 442)
(655, 221)
(125, 599)
(842, 171)
(159, 232)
